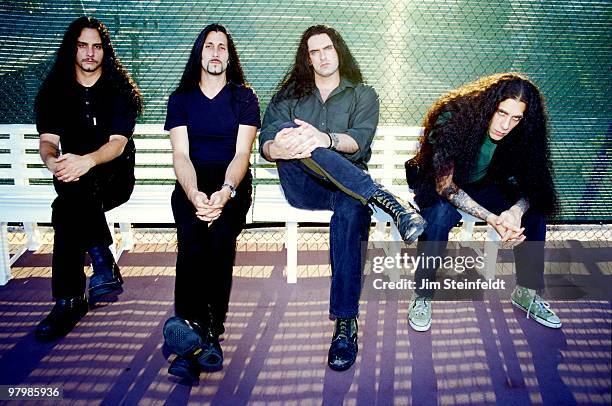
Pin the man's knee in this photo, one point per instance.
(441, 217)
(441, 214)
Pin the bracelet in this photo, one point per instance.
(331, 142)
(335, 140)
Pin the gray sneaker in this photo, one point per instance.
(536, 308)
(419, 313)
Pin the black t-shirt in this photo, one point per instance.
(85, 117)
(212, 124)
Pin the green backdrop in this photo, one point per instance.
(410, 51)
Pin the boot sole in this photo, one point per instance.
(44, 337)
(209, 367)
(416, 327)
(182, 373)
(182, 339)
(105, 289)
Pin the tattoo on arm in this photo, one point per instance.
(522, 204)
(464, 202)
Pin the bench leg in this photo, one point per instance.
(113, 247)
(395, 234)
(34, 238)
(291, 244)
(5, 264)
(392, 249)
(127, 237)
(467, 230)
(491, 247)
(379, 232)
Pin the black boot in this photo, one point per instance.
(343, 349)
(63, 317)
(106, 277)
(406, 218)
(211, 359)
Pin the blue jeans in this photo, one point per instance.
(328, 181)
(443, 216)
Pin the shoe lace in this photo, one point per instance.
(343, 328)
(420, 306)
(541, 306)
(392, 204)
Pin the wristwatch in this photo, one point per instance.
(231, 188)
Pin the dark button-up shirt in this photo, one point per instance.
(86, 117)
(350, 109)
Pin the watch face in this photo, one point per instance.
(231, 188)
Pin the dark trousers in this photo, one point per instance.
(79, 224)
(443, 216)
(328, 181)
(205, 257)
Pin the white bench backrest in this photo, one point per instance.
(20, 163)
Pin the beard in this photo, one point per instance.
(214, 70)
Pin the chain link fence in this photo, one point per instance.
(410, 51)
(268, 244)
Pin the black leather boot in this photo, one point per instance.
(63, 317)
(406, 218)
(343, 350)
(106, 277)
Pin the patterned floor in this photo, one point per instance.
(477, 352)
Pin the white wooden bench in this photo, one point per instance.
(26, 191)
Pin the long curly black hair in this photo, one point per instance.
(63, 70)
(299, 80)
(522, 159)
(192, 73)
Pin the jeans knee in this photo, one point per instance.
(441, 218)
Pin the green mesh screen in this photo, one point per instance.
(410, 51)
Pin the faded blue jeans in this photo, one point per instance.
(443, 216)
(328, 181)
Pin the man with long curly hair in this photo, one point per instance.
(485, 151)
(318, 129)
(86, 111)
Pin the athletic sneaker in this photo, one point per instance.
(189, 340)
(183, 337)
(419, 313)
(186, 368)
(536, 308)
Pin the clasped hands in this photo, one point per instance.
(70, 167)
(209, 208)
(299, 142)
(508, 225)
